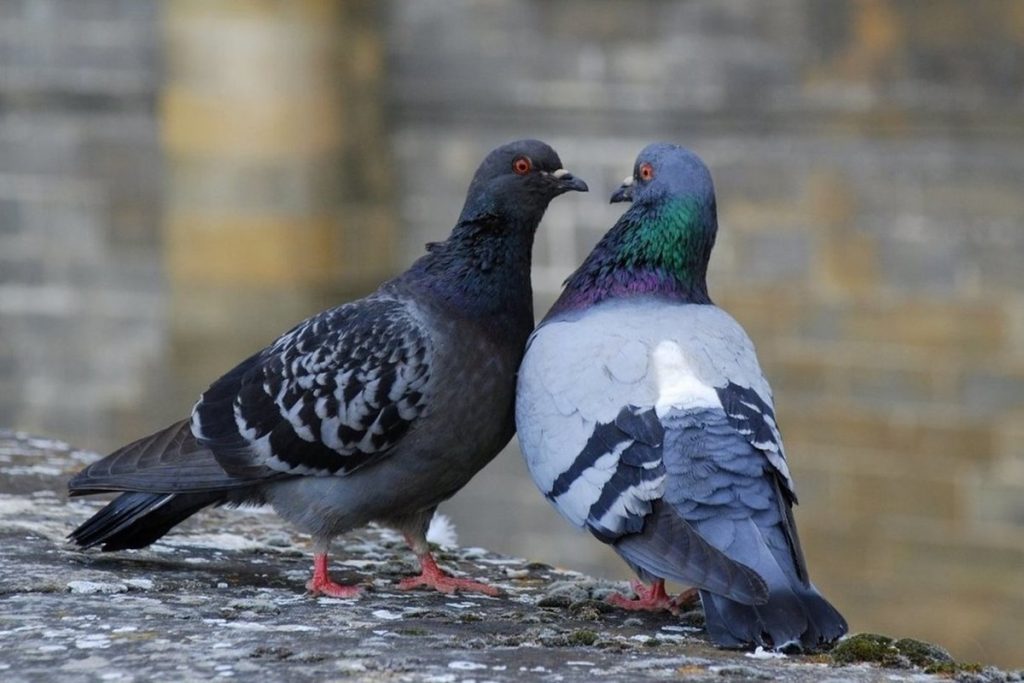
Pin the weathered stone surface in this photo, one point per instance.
(222, 597)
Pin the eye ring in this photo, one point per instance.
(522, 165)
(645, 172)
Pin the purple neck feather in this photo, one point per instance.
(660, 251)
(481, 271)
(628, 284)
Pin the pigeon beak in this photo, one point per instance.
(567, 181)
(625, 191)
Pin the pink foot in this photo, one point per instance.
(654, 599)
(321, 583)
(432, 576)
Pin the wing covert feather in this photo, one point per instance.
(334, 394)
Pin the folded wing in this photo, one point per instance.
(329, 397)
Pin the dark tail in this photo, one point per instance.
(166, 477)
(794, 618)
(136, 519)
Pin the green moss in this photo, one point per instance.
(413, 631)
(921, 653)
(589, 610)
(652, 642)
(882, 650)
(866, 647)
(953, 668)
(582, 637)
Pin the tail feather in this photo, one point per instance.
(166, 478)
(168, 461)
(795, 615)
(793, 618)
(136, 519)
(668, 547)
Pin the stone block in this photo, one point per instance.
(975, 328)
(775, 258)
(844, 560)
(993, 390)
(935, 496)
(968, 560)
(767, 314)
(10, 217)
(254, 250)
(939, 435)
(797, 374)
(896, 382)
(1009, 438)
(266, 127)
(848, 263)
(280, 187)
(998, 501)
(932, 268)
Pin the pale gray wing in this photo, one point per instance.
(574, 382)
(593, 442)
(710, 362)
(644, 354)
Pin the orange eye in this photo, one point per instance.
(646, 172)
(521, 166)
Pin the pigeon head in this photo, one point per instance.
(661, 244)
(515, 183)
(483, 268)
(664, 172)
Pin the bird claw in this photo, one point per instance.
(439, 581)
(447, 584)
(331, 589)
(432, 576)
(654, 599)
(321, 583)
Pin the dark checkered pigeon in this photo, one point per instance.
(376, 410)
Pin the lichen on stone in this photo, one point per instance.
(582, 637)
(904, 653)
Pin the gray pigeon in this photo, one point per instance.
(376, 410)
(645, 418)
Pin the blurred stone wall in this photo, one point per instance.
(81, 288)
(279, 193)
(869, 161)
(179, 182)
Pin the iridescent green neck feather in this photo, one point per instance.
(656, 249)
(673, 239)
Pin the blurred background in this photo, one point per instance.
(181, 181)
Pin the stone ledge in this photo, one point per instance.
(222, 597)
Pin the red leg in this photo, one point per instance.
(432, 576)
(654, 599)
(321, 583)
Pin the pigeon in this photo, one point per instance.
(645, 419)
(374, 411)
